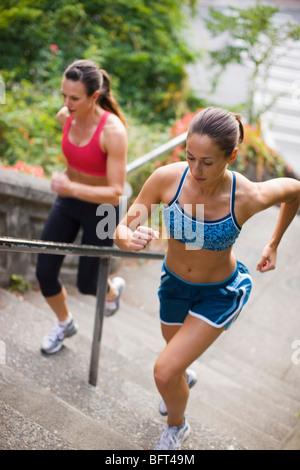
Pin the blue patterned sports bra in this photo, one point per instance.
(215, 235)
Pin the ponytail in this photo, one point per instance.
(238, 117)
(106, 99)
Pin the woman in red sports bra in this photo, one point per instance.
(94, 143)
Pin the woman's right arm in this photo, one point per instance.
(131, 234)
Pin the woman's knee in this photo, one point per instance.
(86, 288)
(49, 284)
(165, 373)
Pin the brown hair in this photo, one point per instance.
(223, 127)
(95, 79)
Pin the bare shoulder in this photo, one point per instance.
(62, 116)
(166, 178)
(243, 185)
(114, 134)
(161, 184)
(171, 171)
(114, 125)
(253, 197)
(169, 174)
(246, 195)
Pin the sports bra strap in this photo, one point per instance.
(232, 195)
(179, 187)
(101, 123)
(67, 125)
(232, 199)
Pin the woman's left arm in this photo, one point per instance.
(287, 192)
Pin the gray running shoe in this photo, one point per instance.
(172, 437)
(53, 342)
(191, 379)
(111, 306)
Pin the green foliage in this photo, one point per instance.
(28, 128)
(256, 160)
(250, 38)
(140, 43)
(18, 284)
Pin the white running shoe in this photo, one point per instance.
(53, 342)
(173, 436)
(111, 306)
(191, 379)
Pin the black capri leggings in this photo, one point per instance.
(66, 217)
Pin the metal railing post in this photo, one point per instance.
(99, 315)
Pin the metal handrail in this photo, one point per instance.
(23, 245)
(105, 253)
(156, 152)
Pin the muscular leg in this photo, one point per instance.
(184, 345)
(59, 227)
(58, 303)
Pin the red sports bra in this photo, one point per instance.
(89, 158)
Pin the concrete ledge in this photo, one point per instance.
(26, 187)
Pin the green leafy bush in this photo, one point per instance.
(140, 43)
(257, 161)
(28, 128)
(18, 284)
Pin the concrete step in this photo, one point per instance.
(33, 418)
(125, 399)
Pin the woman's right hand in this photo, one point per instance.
(141, 237)
(267, 261)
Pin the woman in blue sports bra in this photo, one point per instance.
(203, 287)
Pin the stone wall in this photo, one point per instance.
(25, 202)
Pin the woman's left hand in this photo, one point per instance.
(60, 184)
(267, 261)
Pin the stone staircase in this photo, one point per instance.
(247, 395)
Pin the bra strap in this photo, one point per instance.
(101, 124)
(232, 195)
(67, 125)
(232, 199)
(179, 187)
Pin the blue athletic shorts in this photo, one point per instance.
(218, 304)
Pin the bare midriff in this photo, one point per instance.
(198, 265)
(84, 178)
